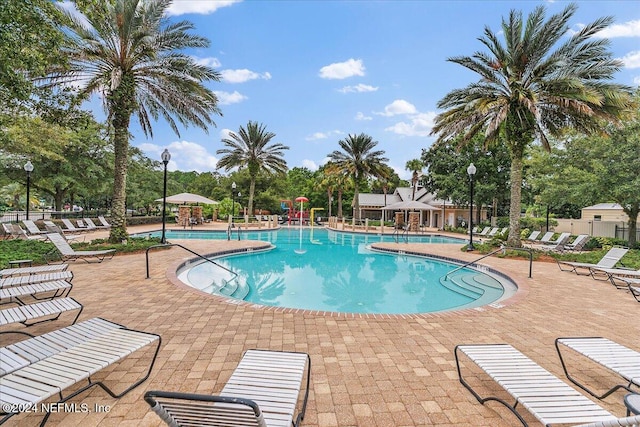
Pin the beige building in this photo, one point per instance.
(605, 212)
(435, 213)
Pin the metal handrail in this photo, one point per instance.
(503, 250)
(235, 275)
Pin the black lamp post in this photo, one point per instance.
(471, 170)
(166, 156)
(233, 201)
(28, 167)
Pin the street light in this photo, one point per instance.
(471, 170)
(233, 201)
(166, 156)
(28, 167)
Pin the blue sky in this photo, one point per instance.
(315, 71)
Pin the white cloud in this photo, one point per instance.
(323, 135)
(209, 62)
(185, 156)
(626, 29)
(226, 98)
(361, 116)
(310, 164)
(224, 133)
(420, 125)
(241, 76)
(631, 59)
(342, 70)
(358, 88)
(397, 107)
(200, 7)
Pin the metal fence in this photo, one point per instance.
(17, 216)
(623, 233)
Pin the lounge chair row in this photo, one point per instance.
(41, 367)
(34, 232)
(550, 400)
(560, 244)
(606, 269)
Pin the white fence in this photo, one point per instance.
(592, 228)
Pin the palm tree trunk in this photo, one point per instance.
(340, 203)
(329, 194)
(252, 190)
(118, 213)
(516, 198)
(356, 203)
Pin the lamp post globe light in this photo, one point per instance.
(28, 167)
(471, 171)
(166, 156)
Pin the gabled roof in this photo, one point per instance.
(605, 206)
(372, 199)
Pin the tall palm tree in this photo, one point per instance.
(415, 166)
(360, 161)
(127, 51)
(249, 149)
(527, 90)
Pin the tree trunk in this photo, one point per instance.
(329, 194)
(356, 203)
(516, 197)
(118, 208)
(340, 203)
(633, 225)
(252, 190)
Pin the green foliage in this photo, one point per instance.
(527, 91)
(23, 249)
(535, 223)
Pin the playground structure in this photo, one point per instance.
(291, 214)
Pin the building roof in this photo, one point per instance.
(374, 199)
(604, 206)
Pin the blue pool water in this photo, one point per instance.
(316, 269)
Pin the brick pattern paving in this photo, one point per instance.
(379, 371)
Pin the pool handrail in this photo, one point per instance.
(235, 275)
(501, 249)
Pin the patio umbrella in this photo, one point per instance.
(188, 198)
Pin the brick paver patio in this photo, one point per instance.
(379, 371)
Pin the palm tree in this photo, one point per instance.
(249, 149)
(359, 161)
(527, 90)
(127, 51)
(415, 166)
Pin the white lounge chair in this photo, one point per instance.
(39, 312)
(14, 231)
(614, 274)
(554, 245)
(42, 367)
(35, 278)
(262, 391)
(24, 271)
(533, 236)
(68, 253)
(545, 396)
(92, 225)
(32, 228)
(609, 260)
(484, 231)
(493, 232)
(70, 227)
(578, 243)
(53, 228)
(36, 291)
(617, 358)
(103, 221)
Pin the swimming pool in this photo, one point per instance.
(322, 270)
